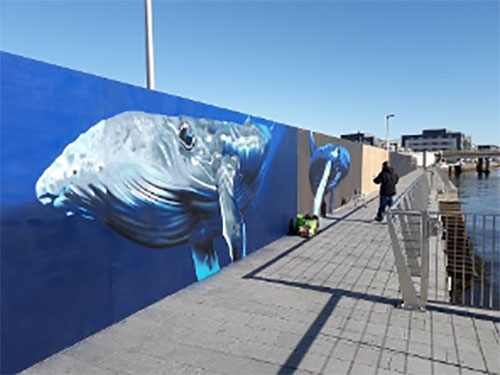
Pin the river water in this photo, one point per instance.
(482, 196)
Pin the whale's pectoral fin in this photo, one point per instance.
(233, 227)
(320, 192)
(205, 259)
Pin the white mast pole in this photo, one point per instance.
(149, 46)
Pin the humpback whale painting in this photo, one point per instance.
(329, 164)
(164, 181)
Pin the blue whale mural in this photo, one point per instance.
(163, 181)
(328, 165)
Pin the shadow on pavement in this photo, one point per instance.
(297, 355)
(298, 245)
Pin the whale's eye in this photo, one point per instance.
(187, 136)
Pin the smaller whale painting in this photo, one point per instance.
(329, 164)
(164, 181)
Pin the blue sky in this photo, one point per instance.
(331, 66)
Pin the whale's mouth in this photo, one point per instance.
(69, 201)
(47, 198)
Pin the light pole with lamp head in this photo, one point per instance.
(387, 130)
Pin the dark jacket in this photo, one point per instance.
(387, 180)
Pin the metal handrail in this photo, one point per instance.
(406, 191)
(414, 229)
(410, 260)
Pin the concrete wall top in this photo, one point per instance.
(402, 164)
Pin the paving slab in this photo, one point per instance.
(327, 305)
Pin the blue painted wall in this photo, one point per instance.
(63, 279)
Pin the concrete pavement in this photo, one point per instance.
(321, 306)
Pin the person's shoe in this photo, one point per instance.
(378, 219)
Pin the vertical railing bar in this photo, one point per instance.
(446, 238)
(455, 258)
(492, 261)
(422, 240)
(424, 272)
(464, 253)
(483, 243)
(474, 241)
(436, 262)
(424, 197)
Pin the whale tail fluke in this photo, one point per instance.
(312, 145)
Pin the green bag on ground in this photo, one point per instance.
(313, 226)
(300, 221)
(309, 221)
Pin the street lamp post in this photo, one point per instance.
(387, 130)
(149, 45)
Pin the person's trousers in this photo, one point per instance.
(385, 201)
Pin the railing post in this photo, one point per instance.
(405, 282)
(424, 260)
(492, 261)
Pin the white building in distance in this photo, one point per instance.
(436, 140)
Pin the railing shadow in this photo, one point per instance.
(394, 302)
(298, 354)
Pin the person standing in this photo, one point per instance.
(387, 179)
